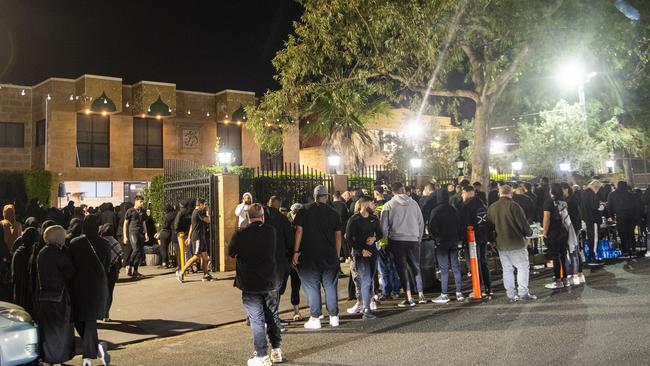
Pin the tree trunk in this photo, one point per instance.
(481, 155)
(629, 172)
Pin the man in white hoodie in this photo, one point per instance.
(403, 226)
(241, 211)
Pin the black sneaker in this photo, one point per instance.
(406, 304)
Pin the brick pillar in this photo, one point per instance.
(228, 199)
(339, 182)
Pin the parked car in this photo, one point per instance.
(18, 336)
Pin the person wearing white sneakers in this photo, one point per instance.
(557, 235)
(316, 256)
(446, 228)
(576, 253)
(255, 248)
(362, 232)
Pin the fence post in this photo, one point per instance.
(339, 182)
(228, 200)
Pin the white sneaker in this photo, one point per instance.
(442, 299)
(459, 296)
(373, 305)
(276, 355)
(334, 321)
(356, 309)
(554, 285)
(583, 280)
(313, 323)
(321, 317)
(575, 280)
(86, 362)
(260, 361)
(102, 353)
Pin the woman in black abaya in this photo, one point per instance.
(20, 269)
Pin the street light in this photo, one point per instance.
(610, 165)
(416, 163)
(415, 129)
(516, 166)
(334, 160)
(573, 74)
(224, 157)
(460, 164)
(497, 147)
(565, 167)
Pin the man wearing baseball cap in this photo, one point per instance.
(316, 255)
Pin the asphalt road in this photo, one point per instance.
(606, 322)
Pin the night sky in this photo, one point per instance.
(201, 45)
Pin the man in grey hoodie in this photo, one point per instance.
(403, 225)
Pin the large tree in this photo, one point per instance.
(352, 53)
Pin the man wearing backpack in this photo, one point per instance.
(474, 213)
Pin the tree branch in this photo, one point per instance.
(474, 63)
(462, 93)
(372, 38)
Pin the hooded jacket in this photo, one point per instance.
(11, 228)
(401, 219)
(445, 224)
(624, 205)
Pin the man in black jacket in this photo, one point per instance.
(474, 213)
(623, 205)
(445, 226)
(591, 215)
(525, 202)
(255, 249)
(541, 194)
(283, 238)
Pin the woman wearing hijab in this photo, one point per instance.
(90, 255)
(20, 269)
(105, 231)
(165, 235)
(74, 230)
(33, 260)
(53, 305)
(11, 227)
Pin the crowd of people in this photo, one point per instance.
(382, 235)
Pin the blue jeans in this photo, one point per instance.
(262, 309)
(388, 273)
(312, 278)
(444, 254)
(407, 258)
(366, 269)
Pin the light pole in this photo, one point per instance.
(224, 158)
(333, 160)
(573, 74)
(516, 166)
(565, 168)
(610, 165)
(460, 164)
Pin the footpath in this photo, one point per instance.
(160, 306)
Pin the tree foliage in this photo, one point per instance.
(349, 55)
(563, 134)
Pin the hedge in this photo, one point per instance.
(20, 187)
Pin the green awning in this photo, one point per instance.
(159, 108)
(103, 104)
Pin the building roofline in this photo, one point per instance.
(235, 91)
(195, 92)
(154, 83)
(16, 86)
(52, 79)
(98, 77)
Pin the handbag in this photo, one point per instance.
(96, 256)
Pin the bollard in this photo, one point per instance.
(473, 262)
(181, 246)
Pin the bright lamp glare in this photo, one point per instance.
(609, 163)
(565, 167)
(517, 165)
(416, 163)
(571, 74)
(334, 160)
(497, 147)
(414, 129)
(224, 157)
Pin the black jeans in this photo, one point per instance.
(407, 259)
(481, 251)
(592, 238)
(89, 340)
(295, 286)
(262, 309)
(625, 230)
(136, 240)
(165, 238)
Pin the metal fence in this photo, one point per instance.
(185, 182)
(289, 181)
(368, 176)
